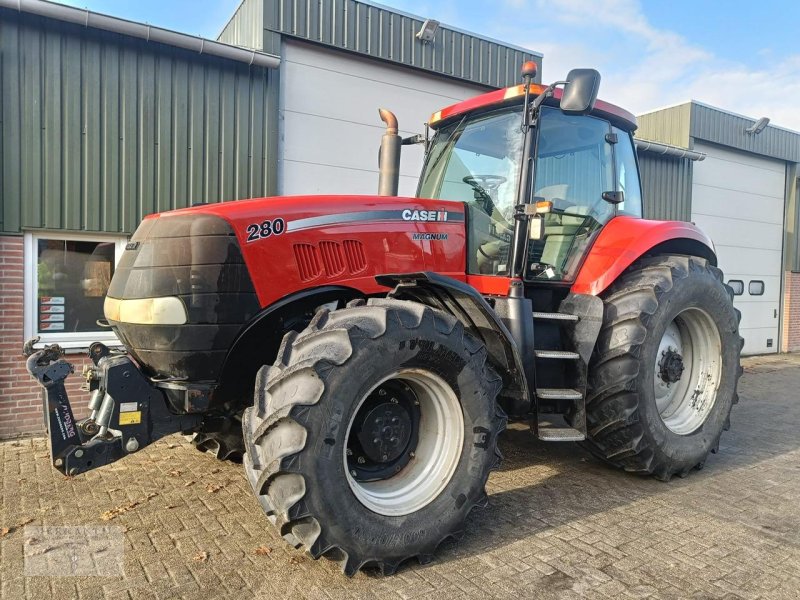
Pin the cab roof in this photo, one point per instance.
(515, 95)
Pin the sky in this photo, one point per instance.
(740, 56)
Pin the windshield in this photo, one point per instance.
(476, 160)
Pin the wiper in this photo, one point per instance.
(445, 144)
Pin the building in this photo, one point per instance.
(340, 61)
(740, 185)
(103, 121)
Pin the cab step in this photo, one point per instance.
(560, 434)
(553, 428)
(555, 316)
(558, 394)
(557, 354)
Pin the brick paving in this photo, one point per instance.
(559, 523)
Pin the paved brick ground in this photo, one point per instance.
(559, 525)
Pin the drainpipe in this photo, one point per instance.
(389, 156)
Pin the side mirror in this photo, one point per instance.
(580, 91)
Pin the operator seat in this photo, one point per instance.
(559, 235)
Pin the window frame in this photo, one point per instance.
(69, 340)
(627, 135)
(733, 289)
(750, 287)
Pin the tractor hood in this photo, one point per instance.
(290, 243)
(190, 280)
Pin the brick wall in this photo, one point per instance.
(20, 395)
(791, 313)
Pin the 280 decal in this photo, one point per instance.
(265, 229)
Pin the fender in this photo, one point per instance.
(625, 239)
(258, 341)
(467, 305)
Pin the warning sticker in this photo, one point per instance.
(128, 406)
(130, 418)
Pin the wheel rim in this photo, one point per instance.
(395, 464)
(688, 369)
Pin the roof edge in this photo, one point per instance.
(717, 108)
(453, 28)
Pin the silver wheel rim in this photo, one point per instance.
(688, 369)
(436, 455)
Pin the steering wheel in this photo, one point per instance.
(485, 186)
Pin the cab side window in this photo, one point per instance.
(627, 175)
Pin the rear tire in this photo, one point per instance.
(323, 480)
(663, 377)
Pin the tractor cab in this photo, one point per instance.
(583, 173)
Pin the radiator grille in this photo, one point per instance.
(356, 259)
(332, 258)
(308, 263)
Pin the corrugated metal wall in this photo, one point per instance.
(385, 34)
(246, 26)
(666, 187)
(668, 126)
(720, 127)
(99, 129)
(678, 125)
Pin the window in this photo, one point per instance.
(574, 166)
(737, 286)
(756, 288)
(66, 279)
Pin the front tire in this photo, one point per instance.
(663, 377)
(372, 437)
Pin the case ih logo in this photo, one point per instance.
(424, 215)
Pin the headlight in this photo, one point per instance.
(168, 310)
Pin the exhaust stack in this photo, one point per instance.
(389, 156)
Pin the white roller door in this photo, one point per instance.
(738, 199)
(330, 131)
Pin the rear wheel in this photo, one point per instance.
(663, 377)
(372, 437)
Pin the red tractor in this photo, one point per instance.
(388, 340)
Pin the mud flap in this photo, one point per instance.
(128, 411)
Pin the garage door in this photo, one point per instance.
(738, 198)
(330, 130)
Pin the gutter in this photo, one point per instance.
(87, 18)
(663, 149)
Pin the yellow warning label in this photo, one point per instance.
(130, 418)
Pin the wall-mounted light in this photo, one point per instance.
(758, 126)
(428, 31)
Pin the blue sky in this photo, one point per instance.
(740, 56)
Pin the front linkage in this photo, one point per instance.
(128, 411)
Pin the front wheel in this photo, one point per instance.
(372, 437)
(663, 377)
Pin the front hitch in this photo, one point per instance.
(127, 411)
